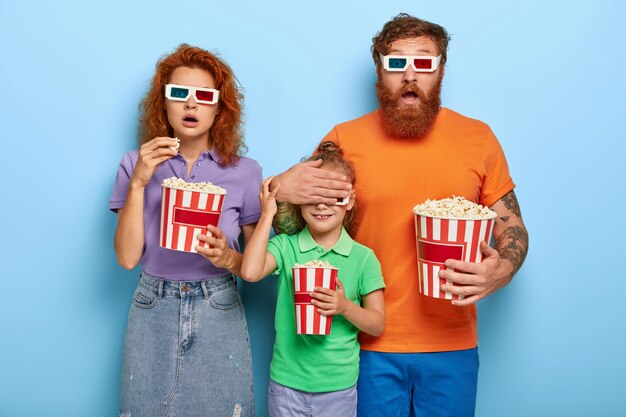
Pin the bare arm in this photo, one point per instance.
(499, 264)
(370, 318)
(129, 234)
(511, 236)
(257, 262)
(220, 254)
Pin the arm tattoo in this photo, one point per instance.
(285, 221)
(510, 202)
(512, 244)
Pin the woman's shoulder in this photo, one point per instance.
(130, 156)
(247, 161)
(247, 164)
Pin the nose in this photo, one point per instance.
(321, 206)
(409, 75)
(191, 103)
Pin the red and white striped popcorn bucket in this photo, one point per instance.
(439, 239)
(305, 279)
(185, 214)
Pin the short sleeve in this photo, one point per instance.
(275, 247)
(372, 276)
(251, 207)
(498, 181)
(122, 181)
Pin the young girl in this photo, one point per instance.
(316, 375)
(186, 349)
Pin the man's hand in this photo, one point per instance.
(477, 280)
(307, 183)
(500, 264)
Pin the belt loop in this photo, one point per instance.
(160, 292)
(205, 292)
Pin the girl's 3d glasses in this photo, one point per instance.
(182, 92)
(399, 63)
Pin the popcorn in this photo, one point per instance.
(454, 208)
(314, 264)
(177, 146)
(180, 184)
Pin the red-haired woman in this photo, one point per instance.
(186, 349)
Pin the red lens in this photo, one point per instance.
(204, 95)
(423, 63)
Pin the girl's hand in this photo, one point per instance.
(268, 198)
(151, 154)
(220, 254)
(330, 302)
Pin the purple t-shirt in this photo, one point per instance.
(242, 182)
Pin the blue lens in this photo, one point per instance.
(397, 62)
(178, 92)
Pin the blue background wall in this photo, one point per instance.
(547, 76)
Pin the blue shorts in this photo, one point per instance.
(438, 384)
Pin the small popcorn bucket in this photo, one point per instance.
(439, 239)
(305, 279)
(185, 214)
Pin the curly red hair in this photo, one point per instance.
(405, 26)
(225, 136)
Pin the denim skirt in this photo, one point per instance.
(186, 351)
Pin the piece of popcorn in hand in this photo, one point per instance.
(176, 146)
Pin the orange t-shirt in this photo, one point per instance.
(460, 156)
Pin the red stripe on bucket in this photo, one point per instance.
(166, 208)
(439, 252)
(194, 218)
(302, 298)
(176, 228)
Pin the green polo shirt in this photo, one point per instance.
(317, 363)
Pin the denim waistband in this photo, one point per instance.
(178, 289)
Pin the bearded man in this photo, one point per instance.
(409, 150)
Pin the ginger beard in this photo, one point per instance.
(404, 121)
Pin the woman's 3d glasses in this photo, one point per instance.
(182, 92)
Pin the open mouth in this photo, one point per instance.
(190, 119)
(322, 216)
(410, 96)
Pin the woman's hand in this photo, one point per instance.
(151, 154)
(220, 255)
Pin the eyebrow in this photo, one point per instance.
(420, 52)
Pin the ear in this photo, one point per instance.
(352, 200)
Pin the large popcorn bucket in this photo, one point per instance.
(185, 214)
(305, 279)
(439, 239)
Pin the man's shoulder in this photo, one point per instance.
(366, 119)
(458, 119)
(356, 130)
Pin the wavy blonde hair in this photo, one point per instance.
(332, 155)
(225, 136)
